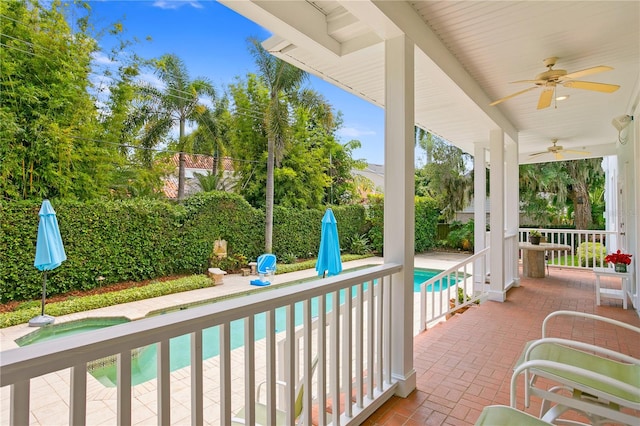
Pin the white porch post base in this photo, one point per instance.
(497, 296)
(516, 281)
(405, 384)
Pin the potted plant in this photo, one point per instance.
(534, 237)
(619, 260)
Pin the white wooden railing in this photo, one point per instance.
(588, 247)
(437, 303)
(353, 352)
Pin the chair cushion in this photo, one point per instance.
(626, 373)
(501, 415)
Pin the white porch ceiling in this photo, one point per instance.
(467, 53)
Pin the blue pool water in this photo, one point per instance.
(143, 364)
(144, 367)
(56, 331)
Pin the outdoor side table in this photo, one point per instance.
(622, 293)
(533, 257)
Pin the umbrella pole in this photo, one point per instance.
(44, 291)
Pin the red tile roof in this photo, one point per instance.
(204, 162)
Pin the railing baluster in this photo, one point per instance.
(359, 344)
(19, 403)
(225, 373)
(78, 403)
(387, 296)
(370, 340)
(347, 353)
(271, 367)
(379, 329)
(307, 326)
(322, 359)
(334, 357)
(164, 383)
(249, 370)
(124, 388)
(197, 407)
(289, 372)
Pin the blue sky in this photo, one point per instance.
(212, 41)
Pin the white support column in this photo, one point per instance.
(496, 188)
(399, 226)
(512, 208)
(479, 212)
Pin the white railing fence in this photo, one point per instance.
(352, 351)
(450, 290)
(588, 247)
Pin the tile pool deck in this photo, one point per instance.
(50, 393)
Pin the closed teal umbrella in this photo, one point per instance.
(49, 254)
(329, 262)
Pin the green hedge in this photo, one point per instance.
(426, 223)
(139, 239)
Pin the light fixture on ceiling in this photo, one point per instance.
(620, 123)
(562, 98)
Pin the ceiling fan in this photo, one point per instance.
(550, 78)
(557, 151)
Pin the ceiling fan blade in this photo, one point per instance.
(535, 154)
(559, 156)
(588, 71)
(545, 98)
(589, 85)
(512, 96)
(528, 81)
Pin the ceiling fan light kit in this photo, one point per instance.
(549, 79)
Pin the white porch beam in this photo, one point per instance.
(496, 188)
(399, 227)
(294, 20)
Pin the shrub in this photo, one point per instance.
(591, 254)
(461, 235)
(79, 304)
(288, 258)
(359, 244)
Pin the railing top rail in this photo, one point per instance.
(42, 358)
(457, 266)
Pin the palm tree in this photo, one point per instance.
(179, 102)
(283, 81)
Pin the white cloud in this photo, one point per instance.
(175, 4)
(100, 58)
(354, 133)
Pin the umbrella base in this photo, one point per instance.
(41, 320)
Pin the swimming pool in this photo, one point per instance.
(144, 367)
(55, 331)
(143, 363)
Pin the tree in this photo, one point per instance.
(445, 177)
(281, 80)
(177, 103)
(48, 120)
(561, 185)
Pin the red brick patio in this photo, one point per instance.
(466, 363)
